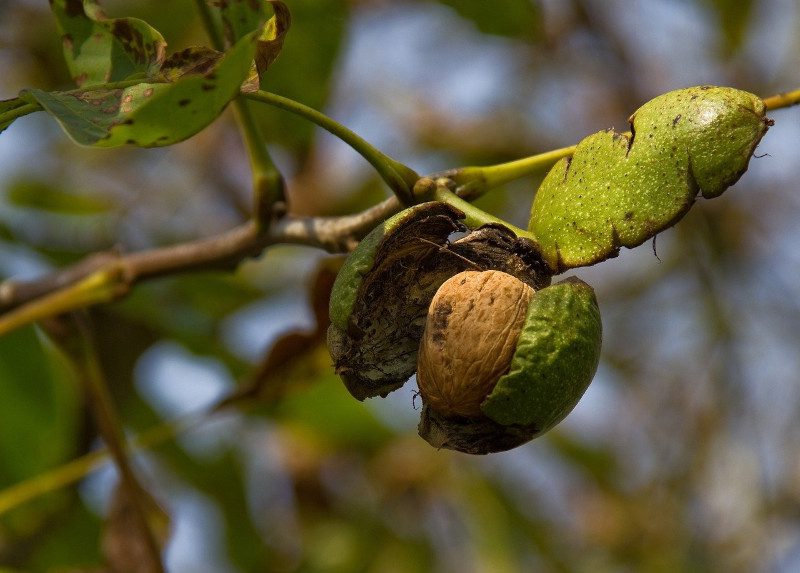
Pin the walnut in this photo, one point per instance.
(470, 337)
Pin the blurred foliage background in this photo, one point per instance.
(682, 456)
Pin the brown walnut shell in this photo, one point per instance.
(470, 337)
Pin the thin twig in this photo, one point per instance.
(399, 177)
(108, 423)
(786, 99)
(268, 184)
(9, 116)
(75, 470)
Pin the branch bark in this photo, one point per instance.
(227, 250)
(220, 252)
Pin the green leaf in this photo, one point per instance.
(239, 17)
(11, 109)
(330, 412)
(33, 194)
(619, 190)
(150, 114)
(100, 49)
(39, 409)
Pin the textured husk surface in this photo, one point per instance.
(374, 347)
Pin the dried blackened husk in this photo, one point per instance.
(472, 435)
(378, 352)
(495, 247)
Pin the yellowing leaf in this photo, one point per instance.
(241, 16)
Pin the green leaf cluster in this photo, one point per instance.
(130, 93)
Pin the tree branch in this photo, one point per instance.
(224, 251)
(104, 276)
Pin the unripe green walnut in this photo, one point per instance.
(497, 354)
(470, 336)
(619, 190)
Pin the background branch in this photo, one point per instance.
(108, 422)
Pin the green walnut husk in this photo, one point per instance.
(556, 357)
(380, 298)
(620, 190)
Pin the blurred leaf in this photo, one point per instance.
(68, 541)
(149, 114)
(515, 18)
(327, 409)
(291, 357)
(223, 480)
(216, 295)
(124, 542)
(734, 17)
(188, 309)
(100, 50)
(320, 291)
(226, 482)
(120, 342)
(39, 409)
(317, 30)
(596, 461)
(6, 234)
(40, 427)
(40, 195)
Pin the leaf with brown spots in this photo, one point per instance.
(195, 60)
(100, 49)
(151, 114)
(270, 42)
